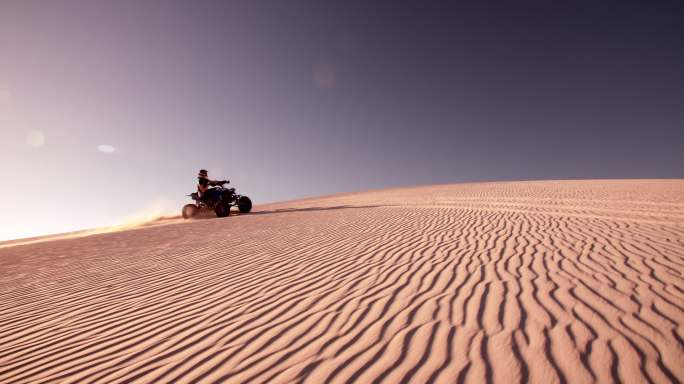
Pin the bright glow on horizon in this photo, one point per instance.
(158, 207)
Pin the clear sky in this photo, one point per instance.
(109, 108)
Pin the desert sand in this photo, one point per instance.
(545, 282)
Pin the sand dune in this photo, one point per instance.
(546, 282)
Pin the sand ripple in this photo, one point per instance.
(546, 282)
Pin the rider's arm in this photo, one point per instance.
(214, 183)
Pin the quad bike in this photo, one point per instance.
(220, 202)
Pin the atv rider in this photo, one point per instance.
(206, 194)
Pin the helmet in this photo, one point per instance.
(203, 174)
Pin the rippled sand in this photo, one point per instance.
(567, 281)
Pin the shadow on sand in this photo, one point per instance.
(308, 209)
(210, 215)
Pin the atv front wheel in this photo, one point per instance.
(222, 210)
(189, 211)
(244, 204)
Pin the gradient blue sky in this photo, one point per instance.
(109, 108)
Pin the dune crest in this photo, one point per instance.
(547, 282)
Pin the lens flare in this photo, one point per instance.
(35, 139)
(324, 76)
(5, 94)
(105, 148)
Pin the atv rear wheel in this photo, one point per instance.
(189, 211)
(222, 210)
(244, 204)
